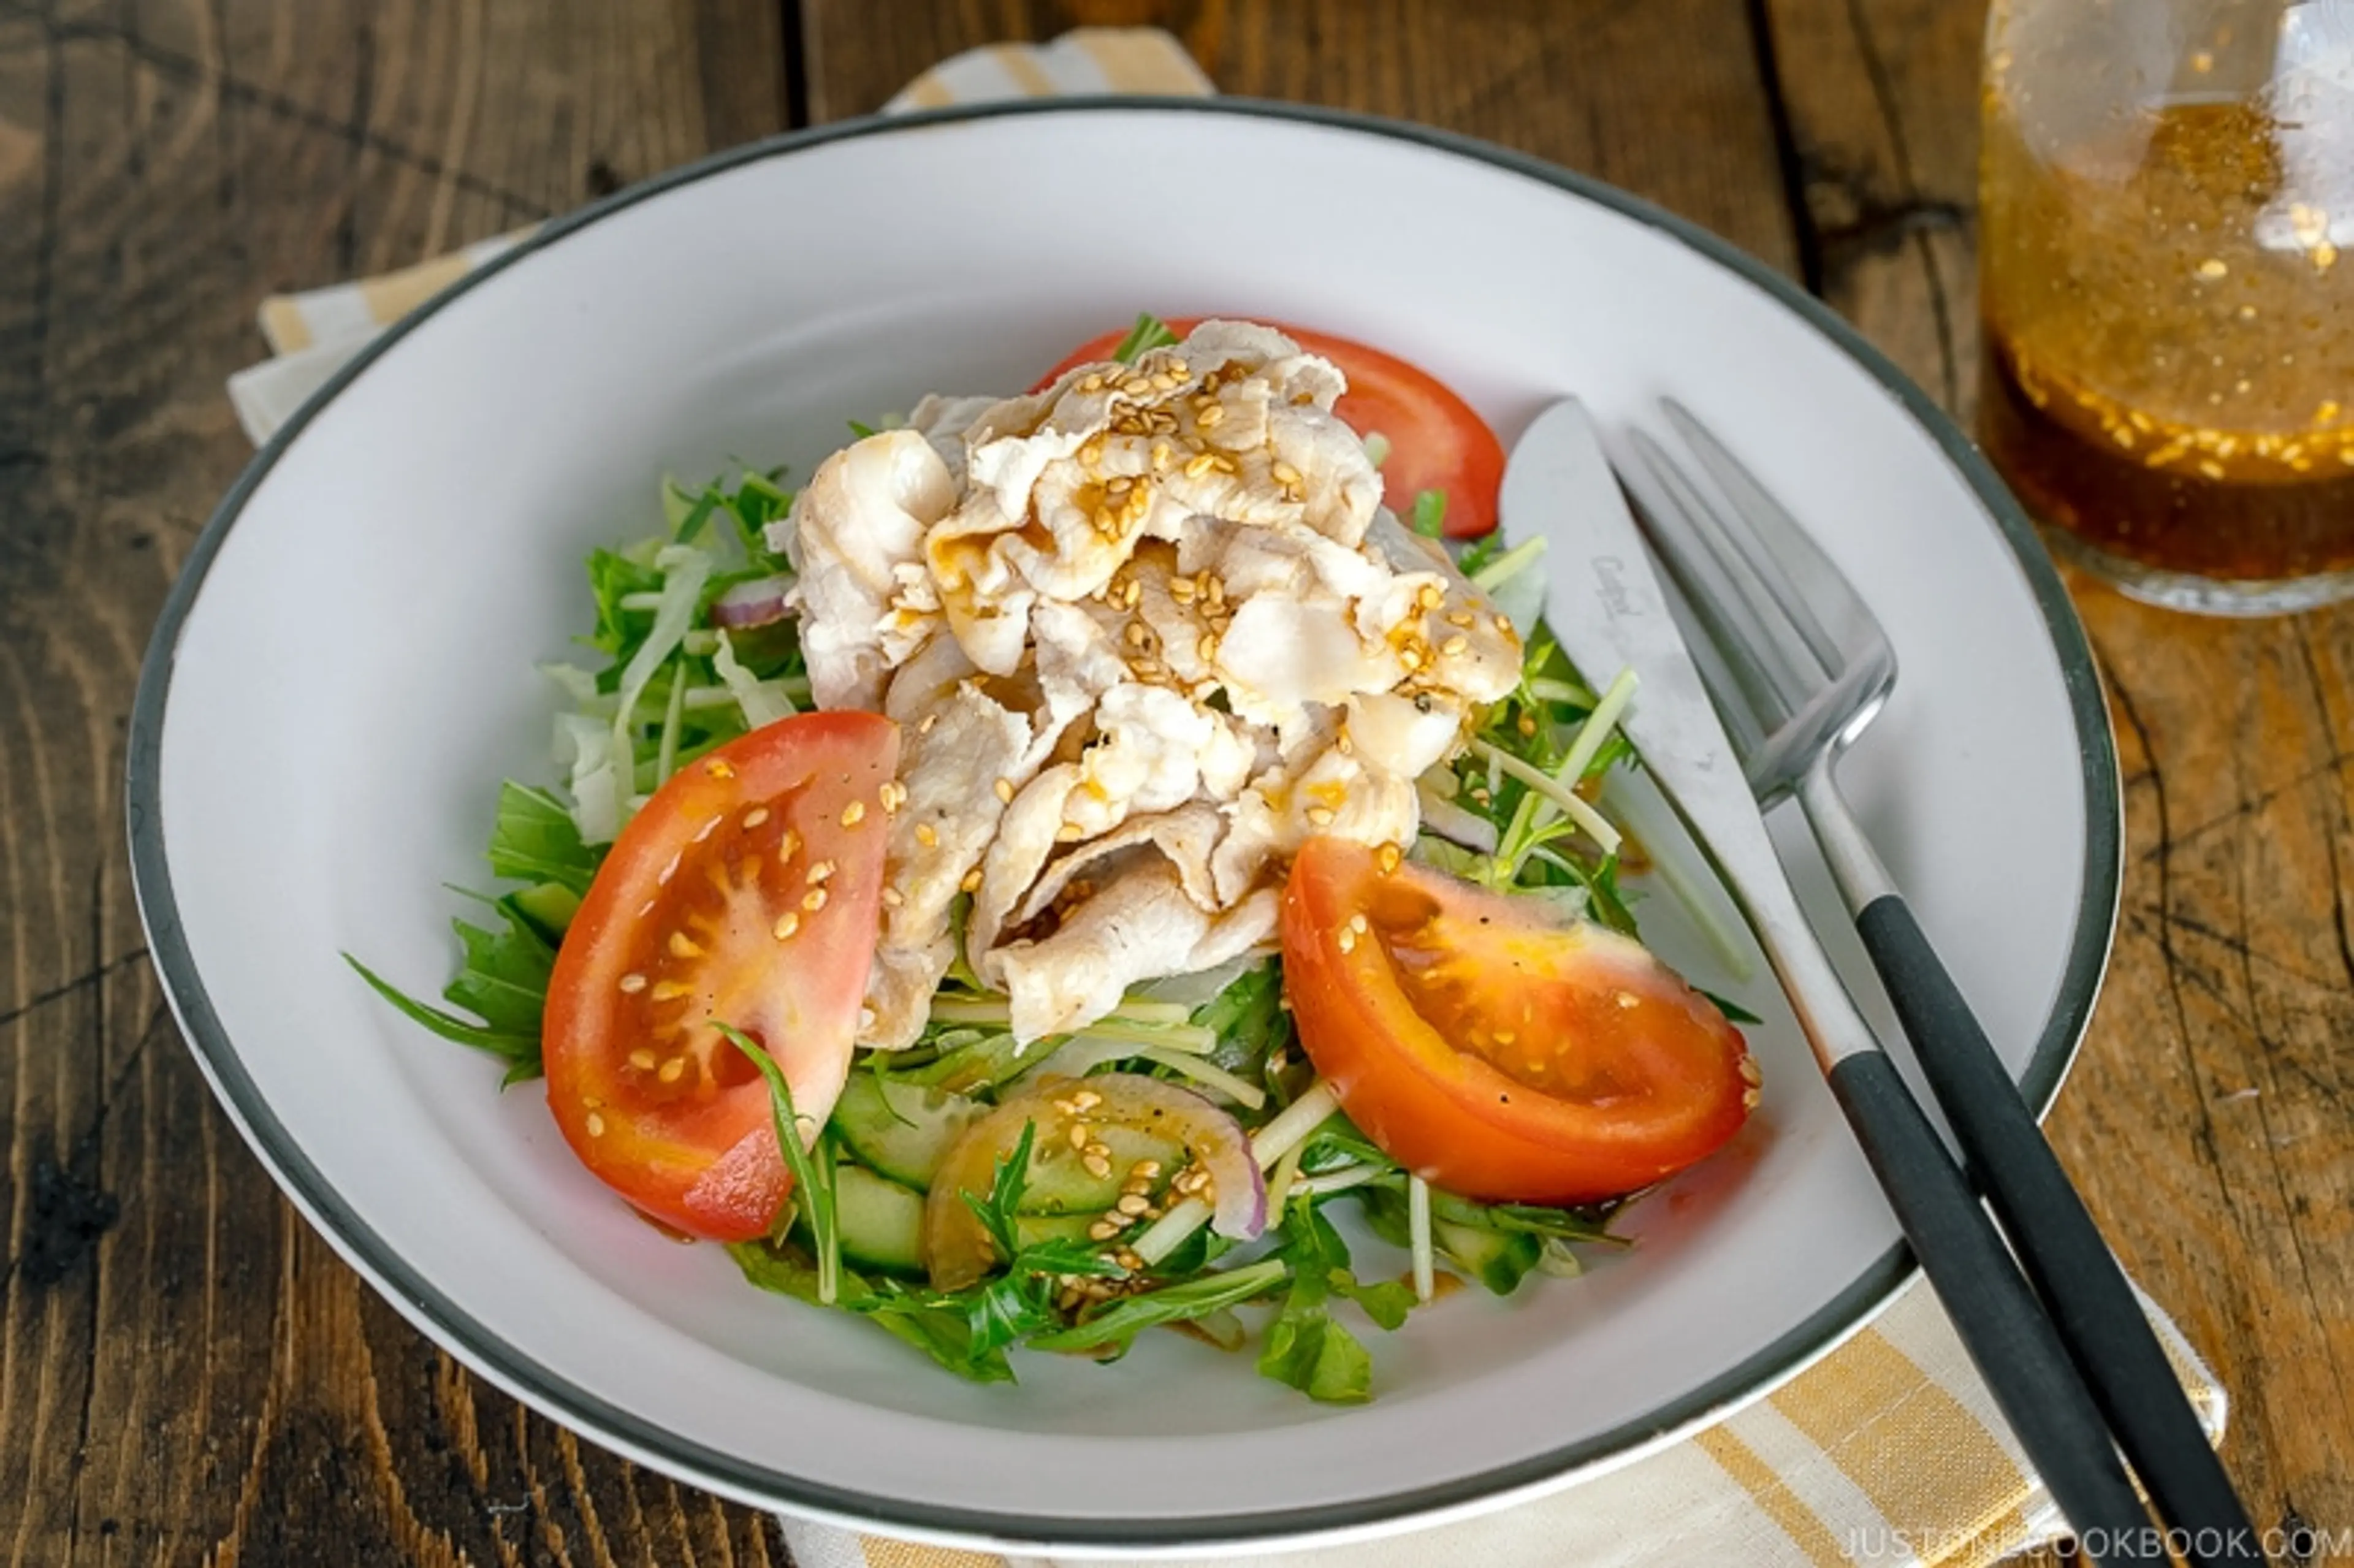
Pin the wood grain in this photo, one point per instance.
(188, 1375)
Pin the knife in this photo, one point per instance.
(1605, 605)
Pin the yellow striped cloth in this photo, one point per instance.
(1888, 1451)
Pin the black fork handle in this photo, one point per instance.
(2099, 1317)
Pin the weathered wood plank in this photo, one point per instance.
(1662, 97)
(187, 1373)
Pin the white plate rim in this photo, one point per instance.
(512, 1369)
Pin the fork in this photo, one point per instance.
(1795, 692)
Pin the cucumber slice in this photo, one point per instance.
(881, 1223)
(899, 1129)
(1060, 1183)
(1497, 1259)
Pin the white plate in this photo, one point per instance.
(344, 672)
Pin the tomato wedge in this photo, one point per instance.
(1495, 1055)
(1437, 442)
(748, 891)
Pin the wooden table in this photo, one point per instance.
(188, 1374)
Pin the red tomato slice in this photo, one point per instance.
(1437, 442)
(1494, 1054)
(748, 890)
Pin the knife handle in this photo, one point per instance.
(2014, 1345)
(2101, 1323)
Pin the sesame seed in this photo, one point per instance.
(787, 923)
(718, 768)
(683, 945)
(1503, 626)
(893, 899)
(854, 813)
(1211, 417)
(642, 1060)
(1462, 618)
(813, 900)
(928, 835)
(672, 1070)
(1126, 1258)
(670, 990)
(1750, 1099)
(1183, 590)
(1284, 472)
(1455, 645)
(1080, 1135)
(2213, 268)
(1410, 657)
(1198, 465)
(892, 796)
(1102, 1229)
(926, 727)
(1068, 833)
(633, 983)
(1347, 940)
(1004, 788)
(971, 883)
(1505, 1036)
(1136, 385)
(1091, 453)
(1428, 597)
(819, 872)
(1207, 648)
(1092, 384)
(788, 847)
(1145, 1170)
(1132, 1203)
(596, 1125)
(1749, 1072)
(1138, 634)
(1389, 857)
(1360, 925)
(755, 816)
(1162, 455)
(1096, 1165)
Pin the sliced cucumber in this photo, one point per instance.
(1061, 1183)
(881, 1223)
(1497, 1259)
(900, 1129)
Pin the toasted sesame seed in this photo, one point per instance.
(1092, 384)
(1199, 464)
(1004, 788)
(928, 835)
(971, 883)
(1347, 940)
(1389, 857)
(891, 796)
(1091, 453)
(819, 873)
(1212, 417)
(672, 1070)
(596, 1125)
(1505, 1036)
(1503, 625)
(1162, 456)
(787, 923)
(1455, 645)
(1136, 385)
(1126, 1258)
(717, 767)
(755, 816)
(633, 983)
(1096, 1165)
(926, 727)
(1750, 1099)
(1087, 1099)
(1138, 634)
(788, 847)
(670, 990)
(1462, 618)
(1284, 472)
(813, 900)
(683, 945)
(893, 899)
(1068, 833)
(2213, 268)
(1183, 589)
(1749, 1072)
(1080, 1135)
(1207, 648)
(642, 1060)
(1410, 657)
(1132, 1203)
(1360, 925)
(1428, 597)
(1102, 1229)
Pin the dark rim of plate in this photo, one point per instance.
(514, 1370)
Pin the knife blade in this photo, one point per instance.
(1604, 604)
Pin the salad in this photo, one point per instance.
(1014, 887)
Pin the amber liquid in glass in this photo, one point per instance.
(2170, 349)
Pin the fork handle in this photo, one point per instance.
(2100, 1320)
(1994, 1312)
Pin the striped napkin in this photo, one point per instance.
(1889, 1451)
